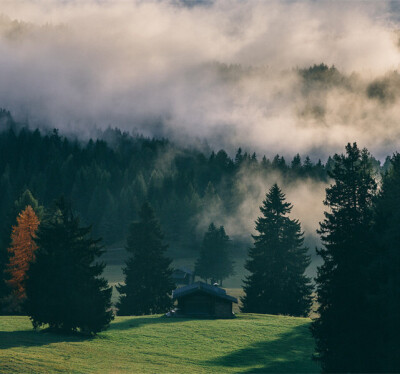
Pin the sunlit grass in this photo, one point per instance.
(155, 344)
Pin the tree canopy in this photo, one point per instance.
(109, 178)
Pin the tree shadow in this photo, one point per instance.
(289, 353)
(32, 338)
(133, 322)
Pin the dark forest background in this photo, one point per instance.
(107, 179)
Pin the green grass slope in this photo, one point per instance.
(153, 344)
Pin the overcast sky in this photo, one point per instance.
(154, 67)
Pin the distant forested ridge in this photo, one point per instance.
(107, 179)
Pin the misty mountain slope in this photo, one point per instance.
(187, 187)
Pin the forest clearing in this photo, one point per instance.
(155, 344)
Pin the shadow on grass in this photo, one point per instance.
(32, 338)
(289, 353)
(133, 322)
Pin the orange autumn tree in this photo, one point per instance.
(22, 252)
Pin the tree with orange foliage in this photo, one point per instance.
(22, 253)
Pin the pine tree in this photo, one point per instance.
(296, 163)
(265, 163)
(64, 288)
(277, 262)
(279, 163)
(341, 331)
(148, 283)
(238, 157)
(384, 295)
(22, 253)
(214, 262)
(308, 165)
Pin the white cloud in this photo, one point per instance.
(82, 64)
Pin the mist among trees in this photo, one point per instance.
(112, 182)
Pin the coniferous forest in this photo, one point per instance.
(60, 195)
(110, 177)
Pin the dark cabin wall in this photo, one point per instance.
(205, 305)
(223, 309)
(196, 305)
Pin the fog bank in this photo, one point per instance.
(164, 69)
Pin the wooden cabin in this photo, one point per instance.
(203, 300)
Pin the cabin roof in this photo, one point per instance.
(205, 288)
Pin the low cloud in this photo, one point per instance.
(306, 196)
(161, 68)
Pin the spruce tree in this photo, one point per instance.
(214, 262)
(148, 283)
(384, 295)
(277, 262)
(341, 330)
(296, 163)
(64, 288)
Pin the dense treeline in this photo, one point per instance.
(108, 179)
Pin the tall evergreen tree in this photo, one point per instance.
(341, 332)
(214, 262)
(296, 163)
(277, 262)
(64, 288)
(384, 295)
(148, 283)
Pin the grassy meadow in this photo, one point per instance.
(249, 343)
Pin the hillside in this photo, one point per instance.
(108, 179)
(152, 344)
